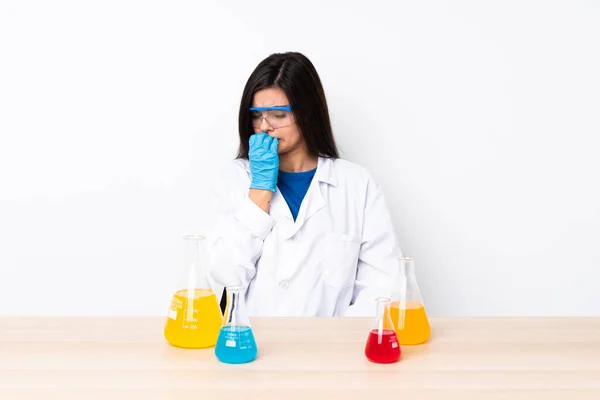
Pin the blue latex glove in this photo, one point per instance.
(264, 161)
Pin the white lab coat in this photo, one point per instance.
(334, 260)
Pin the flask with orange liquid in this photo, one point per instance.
(194, 318)
(406, 309)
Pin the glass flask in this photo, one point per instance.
(236, 344)
(194, 318)
(382, 344)
(406, 309)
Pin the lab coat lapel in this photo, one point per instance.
(279, 206)
(282, 214)
(313, 202)
(314, 199)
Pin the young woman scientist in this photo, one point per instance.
(307, 233)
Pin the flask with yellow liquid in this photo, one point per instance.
(194, 318)
(407, 309)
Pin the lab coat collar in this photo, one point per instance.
(313, 201)
(325, 171)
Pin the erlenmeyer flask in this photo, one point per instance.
(194, 317)
(382, 344)
(236, 344)
(407, 309)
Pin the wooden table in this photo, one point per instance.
(306, 358)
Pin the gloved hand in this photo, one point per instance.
(264, 161)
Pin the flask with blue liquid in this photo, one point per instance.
(236, 344)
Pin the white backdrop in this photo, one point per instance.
(480, 120)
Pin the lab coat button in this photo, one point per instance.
(284, 284)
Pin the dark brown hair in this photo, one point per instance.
(297, 77)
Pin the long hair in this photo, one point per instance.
(297, 77)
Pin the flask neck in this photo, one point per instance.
(380, 311)
(383, 321)
(235, 311)
(195, 259)
(406, 290)
(407, 267)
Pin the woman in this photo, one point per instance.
(307, 233)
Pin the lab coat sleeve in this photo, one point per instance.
(239, 230)
(378, 266)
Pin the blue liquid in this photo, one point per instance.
(236, 345)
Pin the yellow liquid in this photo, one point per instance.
(412, 325)
(194, 325)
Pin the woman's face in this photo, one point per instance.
(288, 135)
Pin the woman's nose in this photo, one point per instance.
(264, 125)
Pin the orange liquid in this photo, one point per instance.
(412, 325)
(196, 324)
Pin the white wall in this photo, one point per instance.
(480, 120)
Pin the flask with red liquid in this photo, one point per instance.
(382, 344)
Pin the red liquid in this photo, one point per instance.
(382, 348)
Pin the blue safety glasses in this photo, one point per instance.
(276, 116)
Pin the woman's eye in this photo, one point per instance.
(282, 115)
(256, 115)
